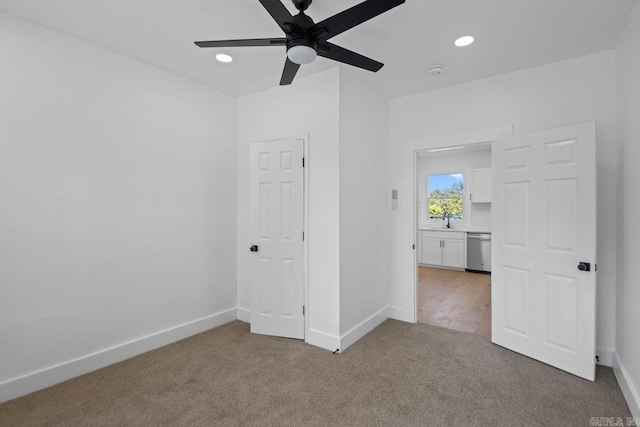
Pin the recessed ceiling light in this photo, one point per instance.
(223, 57)
(464, 41)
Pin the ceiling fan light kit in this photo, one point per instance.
(301, 54)
(305, 40)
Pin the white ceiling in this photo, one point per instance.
(510, 35)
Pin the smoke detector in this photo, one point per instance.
(435, 71)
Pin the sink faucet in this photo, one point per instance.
(447, 216)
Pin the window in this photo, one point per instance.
(446, 196)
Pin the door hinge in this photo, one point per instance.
(596, 267)
(303, 310)
(414, 247)
(303, 162)
(303, 236)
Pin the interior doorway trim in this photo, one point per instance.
(405, 306)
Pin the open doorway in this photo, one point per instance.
(453, 236)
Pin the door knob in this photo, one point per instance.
(254, 248)
(584, 266)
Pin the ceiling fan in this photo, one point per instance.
(305, 39)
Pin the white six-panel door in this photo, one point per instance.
(544, 225)
(277, 224)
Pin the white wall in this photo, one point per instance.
(310, 106)
(363, 204)
(479, 214)
(628, 291)
(573, 91)
(117, 206)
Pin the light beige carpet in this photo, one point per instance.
(399, 374)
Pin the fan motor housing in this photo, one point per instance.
(302, 21)
(302, 42)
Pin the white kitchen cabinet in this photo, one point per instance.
(442, 248)
(480, 185)
(453, 253)
(431, 249)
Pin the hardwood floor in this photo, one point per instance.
(455, 299)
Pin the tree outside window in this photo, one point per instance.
(446, 193)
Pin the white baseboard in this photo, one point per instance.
(605, 356)
(312, 336)
(244, 314)
(363, 328)
(398, 313)
(629, 389)
(47, 377)
(333, 342)
(322, 340)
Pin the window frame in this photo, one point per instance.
(423, 198)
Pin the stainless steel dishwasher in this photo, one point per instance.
(479, 252)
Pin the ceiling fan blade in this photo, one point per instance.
(351, 17)
(243, 42)
(278, 12)
(289, 72)
(340, 54)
